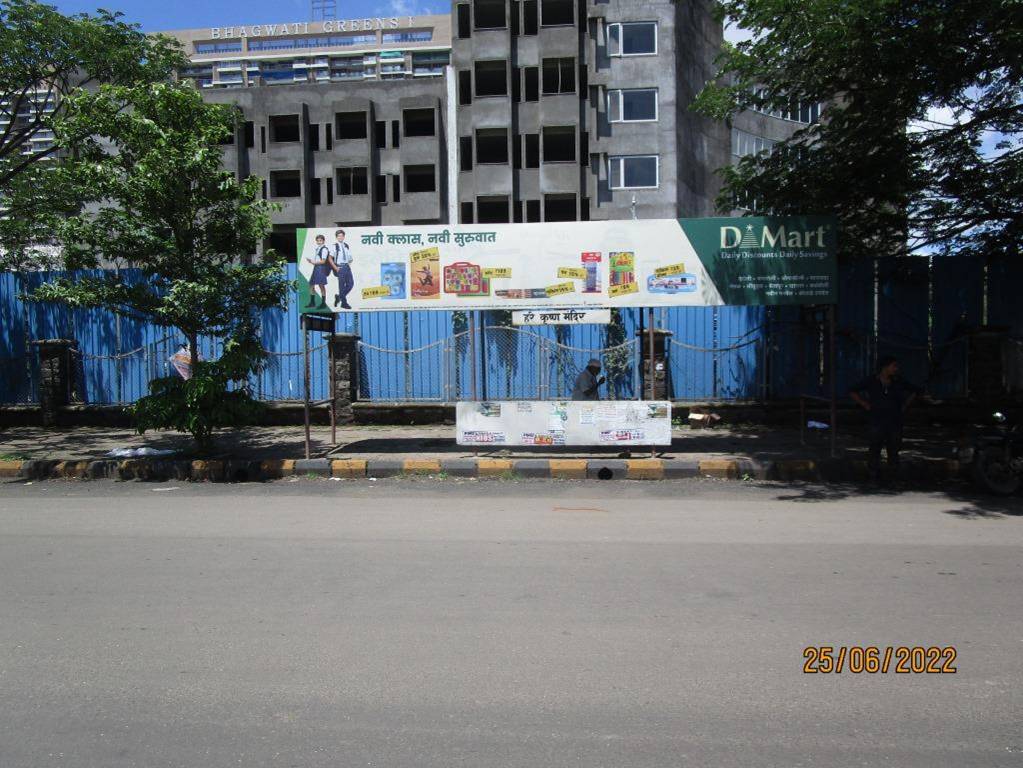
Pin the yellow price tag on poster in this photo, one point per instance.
(560, 288)
(576, 272)
(671, 269)
(497, 272)
(377, 292)
(621, 290)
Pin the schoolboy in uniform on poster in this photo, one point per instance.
(323, 265)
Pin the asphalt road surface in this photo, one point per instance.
(533, 624)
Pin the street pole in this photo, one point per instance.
(305, 388)
(472, 351)
(832, 311)
(333, 390)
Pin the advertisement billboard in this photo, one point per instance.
(601, 265)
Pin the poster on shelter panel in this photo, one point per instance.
(644, 263)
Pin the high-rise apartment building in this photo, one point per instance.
(502, 111)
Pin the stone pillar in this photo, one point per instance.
(344, 354)
(56, 377)
(660, 364)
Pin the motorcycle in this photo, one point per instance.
(995, 456)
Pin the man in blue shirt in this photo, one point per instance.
(342, 256)
(885, 397)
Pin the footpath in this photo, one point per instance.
(734, 452)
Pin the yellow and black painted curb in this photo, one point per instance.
(228, 470)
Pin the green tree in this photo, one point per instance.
(46, 56)
(157, 200)
(919, 147)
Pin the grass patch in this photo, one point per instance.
(14, 457)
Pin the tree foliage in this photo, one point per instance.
(158, 203)
(46, 56)
(919, 147)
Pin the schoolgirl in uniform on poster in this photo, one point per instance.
(323, 266)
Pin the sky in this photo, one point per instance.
(186, 14)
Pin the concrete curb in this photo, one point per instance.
(785, 470)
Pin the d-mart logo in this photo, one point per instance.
(767, 238)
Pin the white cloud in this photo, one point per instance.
(410, 7)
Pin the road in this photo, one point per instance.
(493, 623)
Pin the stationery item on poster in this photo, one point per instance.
(465, 279)
(392, 274)
(623, 267)
(619, 422)
(425, 273)
(591, 263)
(577, 273)
(671, 284)
(376, 292)
(521, 293)
(560, 289)
(497, 273)
(561, 316)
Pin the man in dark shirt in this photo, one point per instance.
(885, 397)
(587, 383)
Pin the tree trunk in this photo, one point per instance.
(193, 351)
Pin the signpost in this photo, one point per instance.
(561, 317)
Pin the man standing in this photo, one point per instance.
(587, 383)
(885, 397)
(343, 261)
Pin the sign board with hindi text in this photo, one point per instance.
(561, 316)
(582, 265)
(549, 423)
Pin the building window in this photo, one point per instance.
(352, 181)
(492, 146)
(492, 210)
(381, 189)
(314, 137)
(797, 112)
(634, 172)
(559, 207)
(489, 14)
(532, 150)
(284, 129)
(420, 178)
(491, 78)
(531, 91)
(532, 211)
(530, 19)
(635, 105)
(430, 63)
(380, 134)
(744, 144)
(396, 188)
(250, 134)
(466, 213)
(415, 36)
(559, 144)
(218, 47)
(315, 192)
(289, 43)
(557, 13)
(558, 76)
(285, 184)
(464, 87)
(419, 122)
(464, 21)
(351, 125)
(465, 153)
(636, 38)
